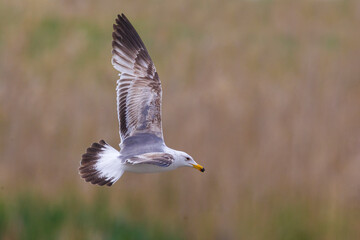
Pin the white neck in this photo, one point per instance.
(178, 156)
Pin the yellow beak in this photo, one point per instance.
(199, 167)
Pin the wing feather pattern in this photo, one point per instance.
(139, 87)
(159, 159)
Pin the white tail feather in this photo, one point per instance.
(101, 164)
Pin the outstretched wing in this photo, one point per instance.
(139, 86)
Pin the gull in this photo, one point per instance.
(139, 95)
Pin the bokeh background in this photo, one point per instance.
(265, 94)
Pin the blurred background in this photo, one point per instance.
(264, 94)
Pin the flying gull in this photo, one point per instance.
(143, 149)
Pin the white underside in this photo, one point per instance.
(110, 165)
(147, 168)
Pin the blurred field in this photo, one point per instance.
(30, 217)
(264, 94)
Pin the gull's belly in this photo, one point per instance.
(147, 168)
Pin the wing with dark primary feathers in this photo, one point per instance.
(139, 87)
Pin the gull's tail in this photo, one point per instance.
(101, 164)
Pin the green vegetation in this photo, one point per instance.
(33, 217)
(29, 216)
(45, 36)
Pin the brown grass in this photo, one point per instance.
(264, 94)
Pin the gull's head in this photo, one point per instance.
(185, 160)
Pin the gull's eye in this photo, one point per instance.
(187, 158)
